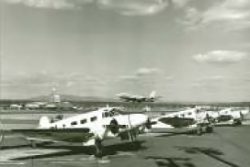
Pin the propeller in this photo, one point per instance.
(209, 118)
(241, 116)
(114, 126)
(149, 124)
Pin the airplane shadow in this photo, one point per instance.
(210, 152)
(186, 162)
(171, 161)
(23, 146)
(177, 134)
(87, 150)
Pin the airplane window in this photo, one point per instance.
(83, 121)
(189, 113)
(93, 119)
(74, 123)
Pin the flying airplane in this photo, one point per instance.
(137, 98)
(185, 121)
(89, 128)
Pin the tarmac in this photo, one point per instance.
(226, 147)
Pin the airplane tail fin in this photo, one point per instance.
(152, 95)
(44, 122)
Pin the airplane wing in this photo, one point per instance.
(66, 135)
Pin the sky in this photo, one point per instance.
(185, 50)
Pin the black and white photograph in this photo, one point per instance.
(107, 83)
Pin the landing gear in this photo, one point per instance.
(1, 134)
(204, 129)
(237, 122)
(199, 130)
(98, 148)
(33, 144)
(209, 129)
(133, 135)
(1, 139)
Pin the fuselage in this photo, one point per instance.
(98, 121)
(181, 119)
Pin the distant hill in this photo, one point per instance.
(74, 98)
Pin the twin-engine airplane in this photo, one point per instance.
(92, 128)
(227, 116)
(89, 128)
(137, 98)
(186, 121)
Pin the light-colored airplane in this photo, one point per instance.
(137, 98)
(185, 121)
(227, 116)
(89, 128)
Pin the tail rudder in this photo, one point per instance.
(152, 95)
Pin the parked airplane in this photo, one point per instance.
(185, 121)
(228, 116)
(137, 98)
(88, 128)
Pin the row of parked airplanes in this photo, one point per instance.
(93, 127)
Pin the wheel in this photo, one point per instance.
(199, 130)
(237, 122)
(98, 148)
(33, 144)
(209, 129)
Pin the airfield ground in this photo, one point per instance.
(226, 147)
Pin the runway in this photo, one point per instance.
(226, 147)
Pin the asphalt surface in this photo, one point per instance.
(226, 147)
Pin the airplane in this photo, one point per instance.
(185, 121)
(90, 128)
(137, 98)
(35, 105)
(228, 116)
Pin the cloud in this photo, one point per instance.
(180, 3)
(42, 82)
(44, 79)
(147, 71)
(231, 14)
(214, 78)
(134, 7)
(141, 73)
(122, 7)
(54, 4)
(220, 57)
(128, 77)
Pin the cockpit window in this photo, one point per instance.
(105, 114)
(114, 111)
